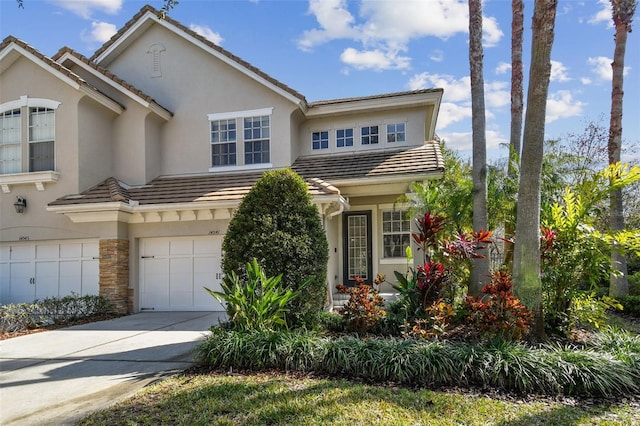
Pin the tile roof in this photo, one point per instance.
(182, 189)
(422, 160)
(317, 171)
(108, 74)
(51, 63)
(373, 97)
(192, 33)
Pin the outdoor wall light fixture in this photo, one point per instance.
(20, 205)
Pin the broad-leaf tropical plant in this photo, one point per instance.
(257, 302)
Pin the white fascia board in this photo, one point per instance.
(240, 114)
(149, 16)
(386, 179)
(102, 99)
(159, 111)
(359, 105)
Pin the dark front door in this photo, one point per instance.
(356, 229)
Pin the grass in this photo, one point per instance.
(279, 399)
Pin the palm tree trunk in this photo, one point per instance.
(480, 270)
(526, 264)
(517, 30)
(623, 11)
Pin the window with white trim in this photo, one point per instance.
(396, 233)
(369, 135)
(11, 141)
(256, 139)
(320, 140)
(42, 131)
(223, 142)
(32, 150)
(396, 132)
(344, 138)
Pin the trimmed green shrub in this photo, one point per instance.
(52, 310)
(630, 305)
(603, 370)
(278, 225)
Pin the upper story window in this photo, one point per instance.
(42, 131)
(11, 142)
(33, 150)
(396, 233)
(344, 137)
(223, 142)
(256, 139)
(396, 132)
(369, 135)
(320, 140)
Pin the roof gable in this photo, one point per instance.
(12, 48)
(148, 16)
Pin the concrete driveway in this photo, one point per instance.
(57, 377)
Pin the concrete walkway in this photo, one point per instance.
(58, 377)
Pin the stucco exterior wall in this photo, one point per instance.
(192, 94)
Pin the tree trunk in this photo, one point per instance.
(480, 270)
(526, 264)
(517, 30)
(623, 11)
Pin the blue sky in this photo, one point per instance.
(328, 49)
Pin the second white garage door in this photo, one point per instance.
(174, 272)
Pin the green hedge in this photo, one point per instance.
(609, 368)
(52, 310)
(630, 304)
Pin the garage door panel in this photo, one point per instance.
(21, 287)
(192, 264)
(156, 248)
(47, 275)
(179, 247)
(71, 250)
(23, 252)
(71, 277)
(91, 250)
(47, 251)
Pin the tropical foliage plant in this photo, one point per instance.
(256, 302)
(364, 309)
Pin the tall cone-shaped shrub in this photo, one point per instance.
(278, 225)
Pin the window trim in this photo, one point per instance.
(402, 211)
(395, 124)
(220, 143)
(370, 135)
(352, 137)
(320, 140)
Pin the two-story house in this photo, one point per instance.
(119, 173)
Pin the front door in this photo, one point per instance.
(356, 229)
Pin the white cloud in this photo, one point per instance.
(601, 66)
(559, 72)
(85, 8)
(586, 81)
(455, 90)
(207, 33)
(562, 105)
(102, 31)
(335, 21)
(497, 94)
(463, 141)
(377, 59)
(603, 14)
(452, 113)
(386, 27)
(503, 68)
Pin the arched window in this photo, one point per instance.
(33, 150)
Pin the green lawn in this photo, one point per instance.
(278, 399)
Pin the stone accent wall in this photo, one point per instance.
(114, 273)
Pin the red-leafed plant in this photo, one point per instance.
(364, 307)
(499, 312)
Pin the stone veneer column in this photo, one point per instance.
(114, 273)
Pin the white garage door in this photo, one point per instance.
(174, 272)
(35, 270)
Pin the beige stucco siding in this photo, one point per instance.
(414, 120)
(191, 94)
(95, 159)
